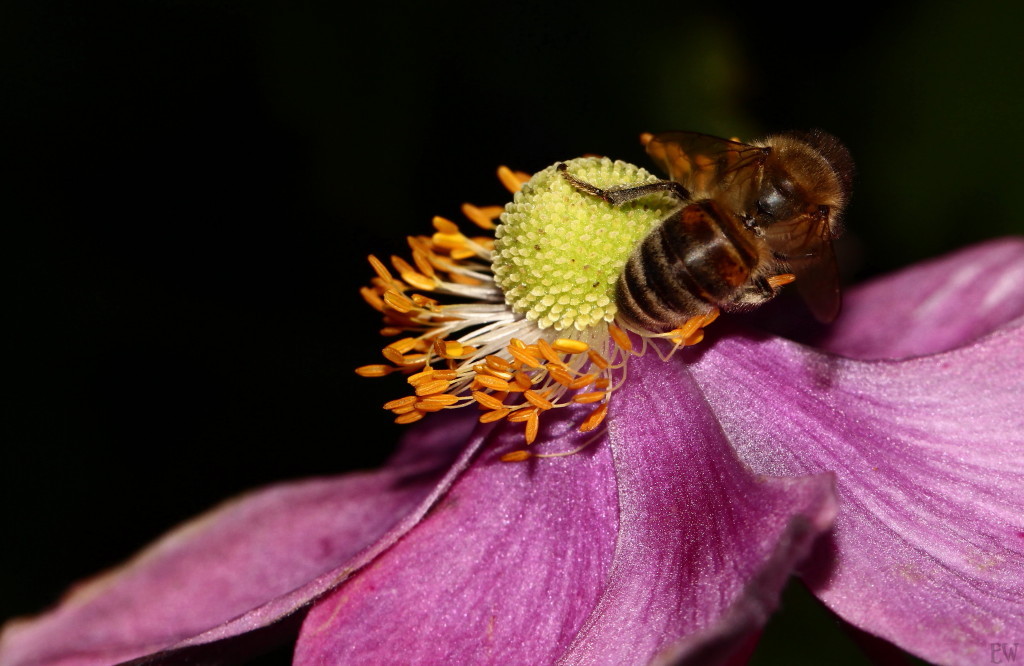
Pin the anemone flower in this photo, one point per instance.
(883, 465)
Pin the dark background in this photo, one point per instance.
(190, 190)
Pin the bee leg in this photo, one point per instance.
(756, 292)
(620, 195)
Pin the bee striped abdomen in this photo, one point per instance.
(695, 259)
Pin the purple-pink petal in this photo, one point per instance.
(932, 306)
(704, 546)
(614, 555)
(928, 453)
(242, 566)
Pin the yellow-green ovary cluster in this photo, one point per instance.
(559, 251)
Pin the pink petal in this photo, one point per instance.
(928, 549)
(704, 546)
(242, 566)
(932, 306)
(608, 556)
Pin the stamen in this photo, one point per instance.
(594, 396)
(496, 415)
(498, 363)
(400, 402)
(598, 360)
(513, 181)
(532, 426)
(567, 346)
(376, 370)
(411, 417)
(445, 226)
(547, 352)
(595, 418)
(435, 386)
(380, 269)
(537, 400)
(580, 382)
(480, 216)
(492, 383)
(523, 357)
(777, 281)
(520, 415)
(620, 337)
(488, 401)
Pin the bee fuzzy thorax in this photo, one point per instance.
(523, 323)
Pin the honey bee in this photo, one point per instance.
(751, 217)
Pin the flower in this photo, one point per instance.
(885, 463)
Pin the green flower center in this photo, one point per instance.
(559, 251)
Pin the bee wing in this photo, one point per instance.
(709, 166)
(805, 242)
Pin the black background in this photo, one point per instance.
(191, 188)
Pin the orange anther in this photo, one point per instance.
(598, 360)
(376, 370)
(380, 269)
(594, 419)
(580, 382)
(494, 415)
(484, 369)
(488, 401)
(435, 402)
(537, 400)
(523, 356)
(445, 226)
(431, 387)
(394, 356)
(516, 456)
(421, 377)
(521, 414)
(620, 337)
(695, 337)
(398, 301)
(423, 263)
(477, 216)
(409, 418)
(404, 345)
(547, 352)
(509, 179)
(497, 363)
(777, 281)
(532, 426)
(373, 298)
(593, 396)
(454, 349)
(560, 375)
(523, 380)
(493, 383)
(569, 346)
(400, 402)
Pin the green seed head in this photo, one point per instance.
(560, 251)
